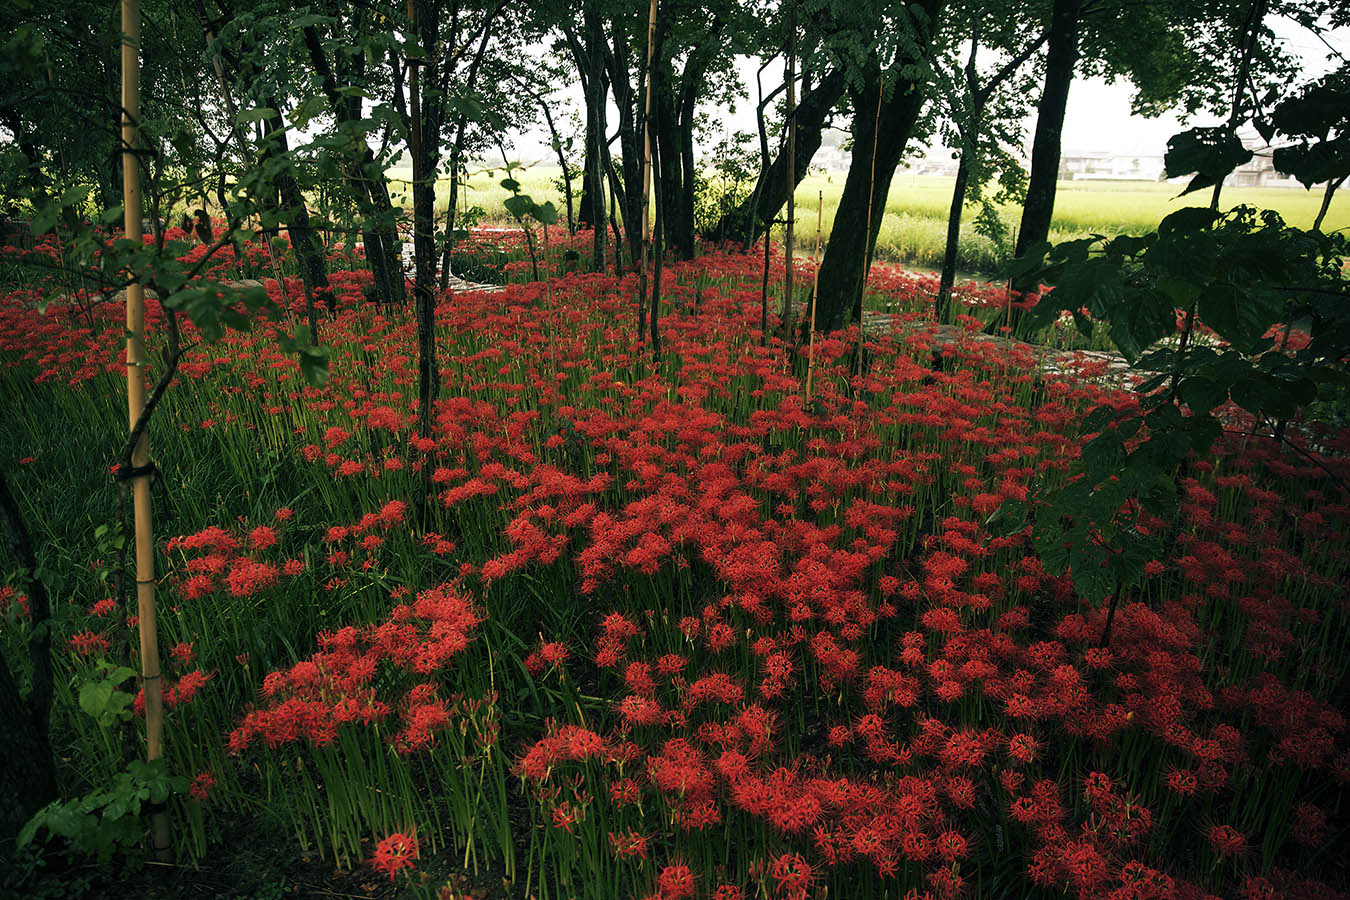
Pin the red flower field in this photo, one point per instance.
(626, 628)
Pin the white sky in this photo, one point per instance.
(1097, 120)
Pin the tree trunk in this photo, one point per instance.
(970, 144)
(1061, 57)
(943, 304)
(596, 145)
(687, 195)
(27, 769)
(1327, 194)
(658, 251)
(843, 271)
(367, 183)
(616, 203)
(666, 145)
(424, 145)
(448, 246)
(1037, 211)
(304, 240)
(773, 189)
(568, 194)
(379, 231)
(791, 80)
(630, 143)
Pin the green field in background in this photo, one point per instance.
(915, 224)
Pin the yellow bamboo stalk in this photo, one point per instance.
(791, 174)
(140, 457)
(815, 283)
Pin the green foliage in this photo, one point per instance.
(212, 306)
(101, 695)
(107, 821)
(313, 359)
(1317, 117)
(1211, 153)
(1238, 275)
(729, 183)
(523, 206)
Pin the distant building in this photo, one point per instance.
(1260, 172)
(1106, 166)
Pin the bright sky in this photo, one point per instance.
(1098, 116)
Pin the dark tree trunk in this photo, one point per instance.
(616, 203)
(688, 194)
(304, 239)
(658, 259)
(569, 198)
(943, 304)
(970, 144)
(27, 767)
(367, 182)
(448, 246)
(379, 231)
(617, 63)
(424, 147)
(1061, 56)
(843, 270)
(666, 144)
(595, 145)
(772, 191)
(587, 56)
(1327, 194)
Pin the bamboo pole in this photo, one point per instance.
(646, 176)
(815, 283)
(790, 174)
(140, 457)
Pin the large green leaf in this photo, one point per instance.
(1211, 153)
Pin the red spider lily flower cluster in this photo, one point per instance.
(336, 686)
(393, 854)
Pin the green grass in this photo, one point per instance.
(915, 225)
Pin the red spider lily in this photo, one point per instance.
(396, 852)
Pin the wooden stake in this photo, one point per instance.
(140, 457)
(815, 282)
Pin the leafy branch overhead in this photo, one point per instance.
(1246, 275)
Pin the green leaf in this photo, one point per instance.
(1201, 394)
(1211, 153)
(1240, 315)
(548, 213)
(1139, 322)
(519, 206)
(94, 697)
(1260, 394)
(257, 114)
(314, 365)
(1181, 292)
(1033, 260)
(310, 20)
(307, 109)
